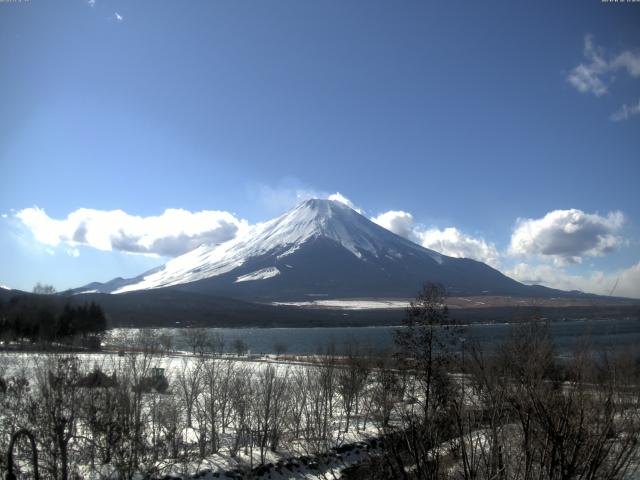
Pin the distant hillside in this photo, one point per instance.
(172, 308)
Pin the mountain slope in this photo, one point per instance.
(320, 248)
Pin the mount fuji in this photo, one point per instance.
(320, 249)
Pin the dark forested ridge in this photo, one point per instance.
(176, 308)
(171, 308)
(49, 319)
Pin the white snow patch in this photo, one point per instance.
(4, 287)
(262, 274)
(350, 304)
(437, 257)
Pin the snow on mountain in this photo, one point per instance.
(280, 238)
(261, 274)
(319, 249)
(4, 287)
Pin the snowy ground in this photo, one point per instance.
(295, 463)
(352, 304)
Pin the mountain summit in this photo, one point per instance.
(321, 248)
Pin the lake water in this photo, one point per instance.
(603, 334)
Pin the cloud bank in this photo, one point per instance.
(559, 238)
(397, 221)
(449, 241)
(174, 232)
(566, 236)
(622, 283)
(454, 243)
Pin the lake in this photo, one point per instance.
(603, 334)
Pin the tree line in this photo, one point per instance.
(44, 319)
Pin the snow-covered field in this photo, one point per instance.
(295, 459)
(308, 419)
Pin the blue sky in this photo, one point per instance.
(506, 131)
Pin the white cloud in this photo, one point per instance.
(277, 199)
(399, 222)
(588, 77)
(627, 282)
(566, 235)
(118, 17)
(625, 112)
(454, 243)
(622, 283)
(290, 192)
(561, 237)
(450, 241)
(172, 233)
(629, 61)
(91, 3)
(596, 74)
(338, 197)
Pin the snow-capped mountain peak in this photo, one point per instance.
(279, 238)
(320, 248)
(323, 218)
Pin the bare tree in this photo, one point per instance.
(197, 339)
(240, 347)
(215, 342)
(269, 407)
(217, 383)
(189, 383)
(280, 348)
(423, 350)
(57, 411)
(297, 402)
(319, 431)
(43, 289)
(242, 392)
(352, 378)
(529, 416)
(130, 453)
